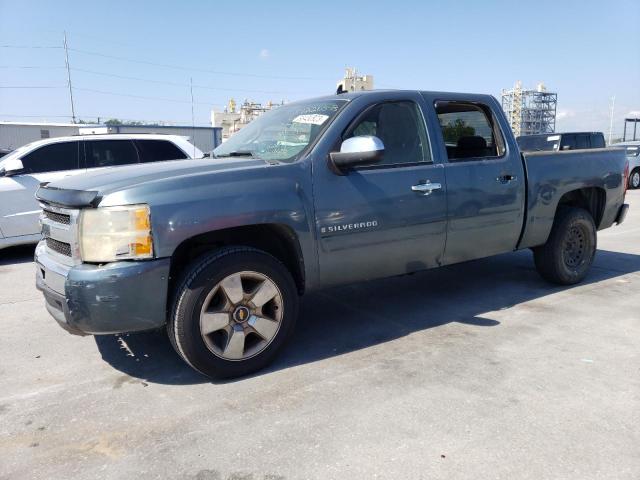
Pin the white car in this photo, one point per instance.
(23, 170)
(633, 156)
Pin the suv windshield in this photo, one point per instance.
(282, 133)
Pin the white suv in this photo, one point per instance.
(23, 170)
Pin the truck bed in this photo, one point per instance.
(551, 175)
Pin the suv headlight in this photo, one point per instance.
(108, 234)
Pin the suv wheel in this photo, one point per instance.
(569, 252)
(233, 311)
(634, 179)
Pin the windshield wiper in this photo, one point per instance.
(239, 153)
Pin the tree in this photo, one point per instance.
(113, 122)
(453, 131)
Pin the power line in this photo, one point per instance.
(29, 46)
(32, 116)
(29, 67)
(195, 69)
(149, 80)
(126, 77)
(143, 97)
(130, 95)
(178, 84)
(183, 122)
(31, 86)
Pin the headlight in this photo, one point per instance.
(108, 234)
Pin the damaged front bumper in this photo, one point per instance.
(118, 297)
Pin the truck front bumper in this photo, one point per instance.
(117, 297)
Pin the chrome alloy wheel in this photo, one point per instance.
(241, 315)
(635, 179)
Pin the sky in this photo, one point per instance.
(136, 60)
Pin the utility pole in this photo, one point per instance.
(193, 118)
(66, 62)
(613, 103)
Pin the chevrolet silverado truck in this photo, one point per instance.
(334, 190)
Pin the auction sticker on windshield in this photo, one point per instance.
(313, 119)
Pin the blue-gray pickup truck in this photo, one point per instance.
(312, 194)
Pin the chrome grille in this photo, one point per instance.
(60, 233)
(57, 217)
(60, 247)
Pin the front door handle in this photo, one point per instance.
(426, 188)
(506, 178)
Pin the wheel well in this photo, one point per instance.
(592, 199)
(276, 239)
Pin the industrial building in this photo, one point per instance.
(352, 82)
(530, 111)
(232, 119)
(16, 134)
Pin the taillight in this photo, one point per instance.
(626, 177)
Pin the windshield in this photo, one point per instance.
(538, 143)
(282, 133)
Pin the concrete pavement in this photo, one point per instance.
(480, 370)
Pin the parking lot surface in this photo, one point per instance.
(479, 370)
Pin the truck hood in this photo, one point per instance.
(84, 189)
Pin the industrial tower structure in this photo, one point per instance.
(530, 111)
(354, 82)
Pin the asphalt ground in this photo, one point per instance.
(480, 370)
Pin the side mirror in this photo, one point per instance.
(11, 167)
(356, 151)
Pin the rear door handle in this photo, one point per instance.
(426, 188)
(506, 178)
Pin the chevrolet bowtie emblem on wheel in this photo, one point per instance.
(241, 314)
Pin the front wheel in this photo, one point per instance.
(569, 252)
(233, 311)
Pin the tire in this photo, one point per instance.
(569, 252)
(210, 288)
(634, 179)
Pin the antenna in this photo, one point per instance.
(66, 62)
(193, 119)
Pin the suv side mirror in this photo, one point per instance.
(355, 151)
(11, 167)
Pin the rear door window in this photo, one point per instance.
(469, 131)
(109, 153)
(158, 151)
(53, 158)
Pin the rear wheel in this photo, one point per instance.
(233, 311)
(569, 252)
(634, 179)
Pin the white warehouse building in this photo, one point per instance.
(16, 134)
